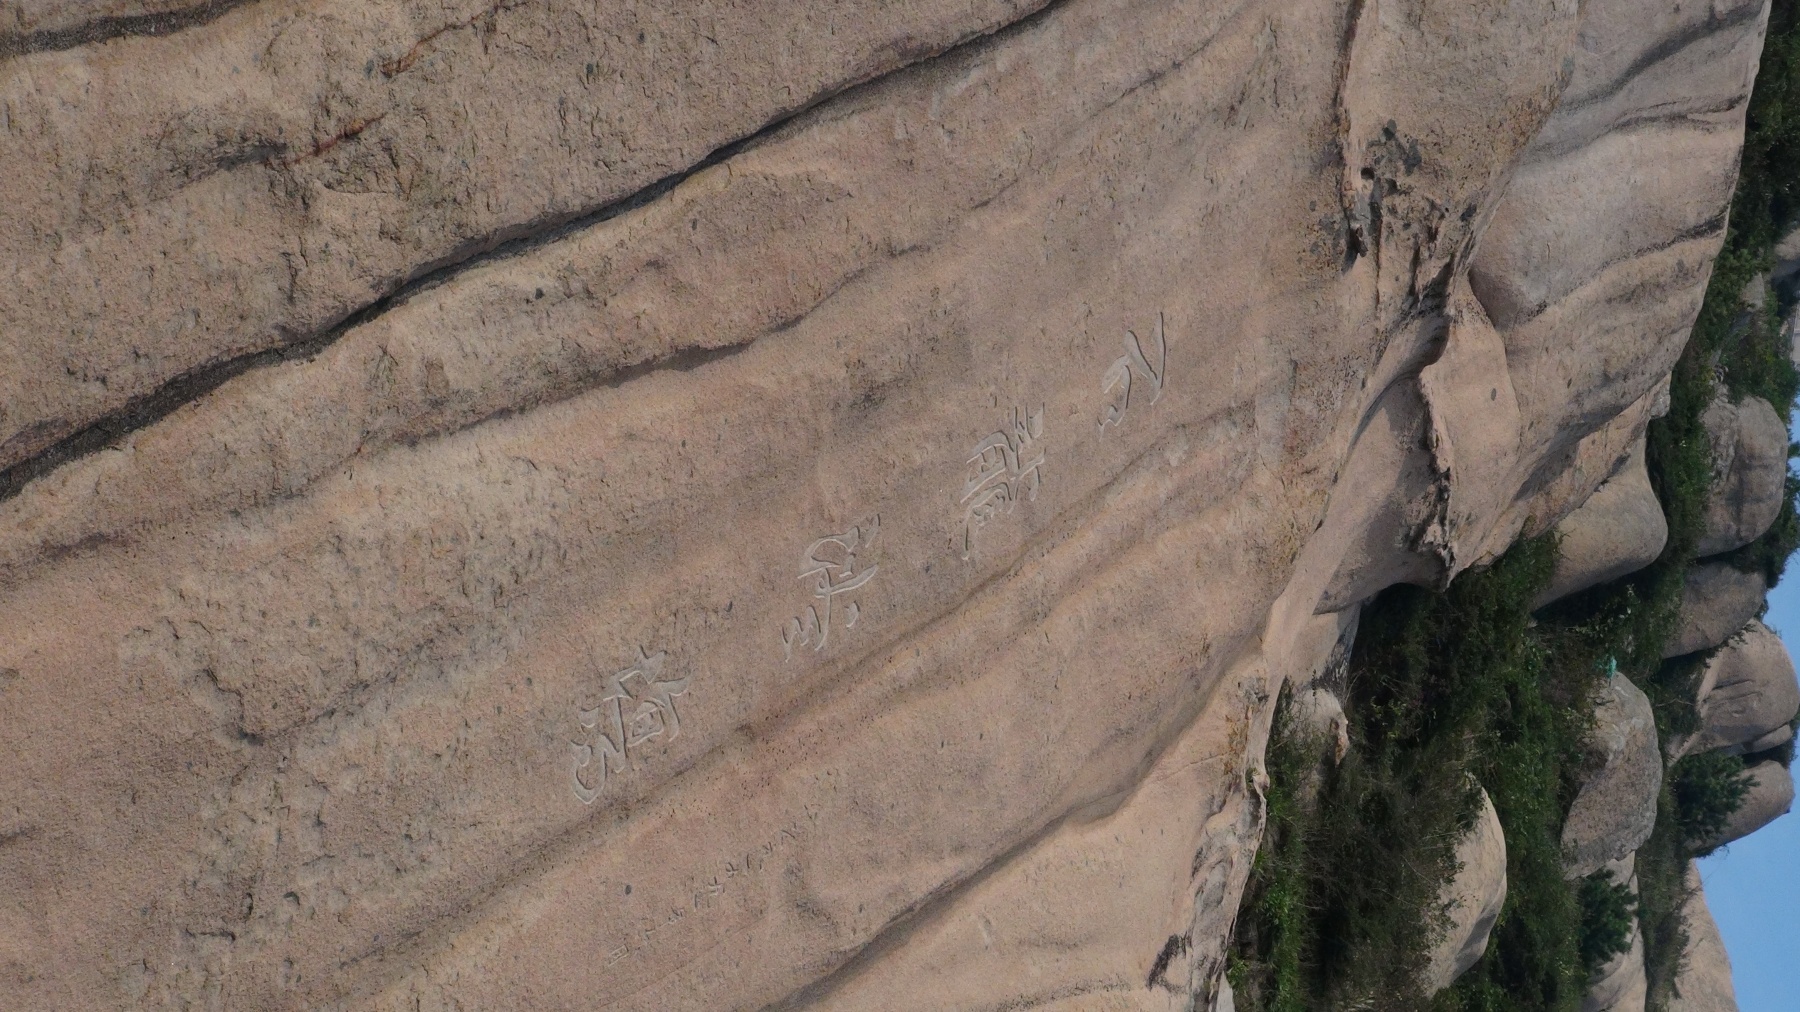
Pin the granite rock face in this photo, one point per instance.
(708, 506)
(1704, 983)
(1620, 985)
(1717, 600)
(1748, 691)
(248, 182)
(1317, 717)
(1619, 530)
(1615, 810)
(1749, 447)
(1472, 900)
(1771, 796)
(1547, 268)
(1774, 739)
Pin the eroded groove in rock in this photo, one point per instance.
(404, 173)
(390, 381)
(194, 385)
(47, 32)
(1710, 24)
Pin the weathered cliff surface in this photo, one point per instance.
(540, 505)
(1704, 984)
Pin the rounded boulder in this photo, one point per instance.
(1615, 811)
(1717, 599)
(1619, 530)
(1472, 898)
(1770, 797)
(1749, 446)
(1749, 690)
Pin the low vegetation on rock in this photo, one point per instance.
(1467, 686)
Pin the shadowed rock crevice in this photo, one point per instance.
(403, 62)
(346, 224)
(98, 30)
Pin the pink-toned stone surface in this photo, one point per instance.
(1704, 983)
(309, 667)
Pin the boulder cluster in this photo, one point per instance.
(1748, 696)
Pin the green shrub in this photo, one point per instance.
(1444, 690)
(1276, 929)
(1445, 686)
(1607, 909)
(1662, 892)
(1706, 788)
(1767, 199)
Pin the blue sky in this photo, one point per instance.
(1753, 887)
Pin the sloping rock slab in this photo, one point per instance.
(1704, 983)
(248, 182)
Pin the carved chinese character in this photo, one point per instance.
(636, 705)
(832, 569)
(1134, 363)
(1005, 471)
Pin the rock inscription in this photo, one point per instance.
(637, 706)
(1135, 363)
(832, 568)
(1006, 466)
